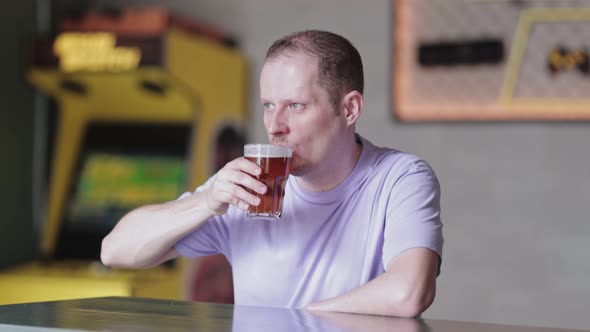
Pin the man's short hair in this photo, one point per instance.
(340, 68)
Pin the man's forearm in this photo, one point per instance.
(376, 298)
(146, 235)
(405, 290)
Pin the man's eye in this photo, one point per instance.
(268, 106)
(296, 106)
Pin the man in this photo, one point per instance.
(360, 230)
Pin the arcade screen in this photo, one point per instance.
(120, 167)
(111, 185)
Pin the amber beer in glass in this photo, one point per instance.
(274, 161)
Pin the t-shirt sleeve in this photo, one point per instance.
(413, 213)
(209, 239)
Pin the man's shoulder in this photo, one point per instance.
(390, 159)
(391, 167)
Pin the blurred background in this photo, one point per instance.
(169, 92)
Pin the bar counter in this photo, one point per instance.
(140, 314)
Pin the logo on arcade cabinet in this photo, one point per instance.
(94, 51)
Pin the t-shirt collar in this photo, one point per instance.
(336, 193)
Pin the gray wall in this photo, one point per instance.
(515, 195)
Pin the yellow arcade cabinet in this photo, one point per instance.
(144, 113)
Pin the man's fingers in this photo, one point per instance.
(233, 200)
(238, 196)
(235, 185)
(245, 165)
(247, 181)
(241, 171)
(237, 177)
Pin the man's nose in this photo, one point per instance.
(278, 123)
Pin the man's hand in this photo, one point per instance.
(230, 186)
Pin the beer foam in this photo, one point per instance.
(267, 150)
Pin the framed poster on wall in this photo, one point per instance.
(478, 60)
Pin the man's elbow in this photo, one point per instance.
(106, 255)
(412, 304)
(110, 257)
(117, 247)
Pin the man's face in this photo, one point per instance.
(298, 112)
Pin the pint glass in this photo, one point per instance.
(274, 161)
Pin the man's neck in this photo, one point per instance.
(334, 172)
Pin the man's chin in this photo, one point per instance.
(294, 170)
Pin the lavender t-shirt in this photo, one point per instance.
(327, 243)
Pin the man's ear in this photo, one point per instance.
(352, 106)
